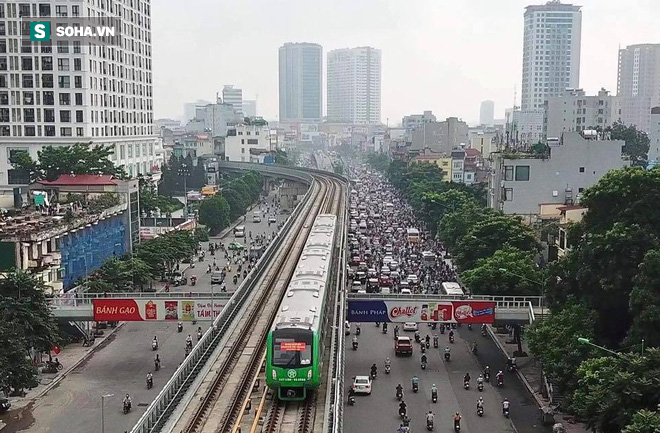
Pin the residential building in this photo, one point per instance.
(194, 145)
(190, 109)
(483, 139)
(457, 165)
(575, 111)
(521, 182)
(440, 137)
(250, 107)
(487, 113)
(75, 92)
(233, 96)
(300, 81)
(354, 85)
(167, 123)
(654, 137)
(525, 127)
(412, 122)
(428, 156)
(248, 141)
(551, 52)
(638, 83)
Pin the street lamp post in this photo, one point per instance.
(184, 171)
(588, 342)
(541, 284)
(103, 397)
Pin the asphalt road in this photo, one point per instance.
(120, 367)
(378, 412)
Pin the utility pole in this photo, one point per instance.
(185, 172)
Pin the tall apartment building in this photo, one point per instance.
(654, 137)
(354, 82)
(301, 78)
(233, 96)
(70, 92)
(412, 122)
(487, 113)
(575, 111)
(638, 83)
(551, 52)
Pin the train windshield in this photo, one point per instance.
(292, 348)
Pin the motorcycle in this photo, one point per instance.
(469, 326)
(193, 280)
(387, 369)
(156, 365)
(457, 426)
(483, 332)
(373, 375)
(423, 348)
(480, 411)
(358, 331)
(415, 387)
(428, 344)
(399, 395)
(179, 327)
(466, 385)
(442, 329)
(127, 408)
(447, 356)
(351, 400)
(355, 345)
(487, 377)
(480, 386)
(384, 328)
(150, 383)
(154, 345)
(429, 425)
(423, 365)
(52, 367)
(199, 335)
(434, 397)
(402, 412)
(500, 381)
(435, 342)
(505, 412)
(451, 339)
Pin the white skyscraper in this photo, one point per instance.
(551, 52)
(354, 78)
(301, 72)
(233, 96)
(638, 83)
(487, 113)
(67, 92)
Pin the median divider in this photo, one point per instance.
(168, 398)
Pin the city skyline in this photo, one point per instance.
(449, 84)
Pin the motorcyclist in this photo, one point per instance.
(499, 376)
(429, 418)
(451, 333)
(424, 359)
(403, 407)
(428, 340)
(480, 403)
(154, 342)
(127, 401)
(396, 330)
(374, 370)
(457, 419)
(355, 340)
(150, 377)
(487, 371)
(434, 390)
(505, 405)
(466, 378)
(480, 380)
(399, 389)
(157, 362)
(415, 381)
(188, 340)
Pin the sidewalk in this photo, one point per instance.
(529, 372)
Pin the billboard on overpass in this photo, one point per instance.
(394, 310)
(138, 310)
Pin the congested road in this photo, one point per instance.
(121, 364)
(386, 257)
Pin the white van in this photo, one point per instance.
(256, 217)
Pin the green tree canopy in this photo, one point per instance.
(214, 213)
(645, 301)
(80, 158)
(121, 275)
(489, 235)
(488, 278)
(554, 342)
(644, 421)
(637, 142)
(612, 389)
(379, 161)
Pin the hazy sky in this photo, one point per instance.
(445, 56)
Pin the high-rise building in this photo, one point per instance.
(233, 96)
(638, 83)
(190, 109)
(76, 92)
(551, 52)
(575, 111)
(354, 85)
(301, 72)
(250, 107)
(487, 113)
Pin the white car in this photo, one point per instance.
(387, 260)
(272, 219)
(412, 279)
(393, 265)
(362, 385)
(410, 326)
(406, 292)
(385, 270)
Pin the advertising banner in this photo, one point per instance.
(420, 311)
(137, 310)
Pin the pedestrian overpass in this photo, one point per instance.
(508, 310)
(132, 306)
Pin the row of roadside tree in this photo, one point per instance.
(606, 289)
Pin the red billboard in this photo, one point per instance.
(138, 310)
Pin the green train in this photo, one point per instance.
(294, 348)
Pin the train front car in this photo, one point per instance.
(293, 352)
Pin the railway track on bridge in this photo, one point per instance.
(225, 392)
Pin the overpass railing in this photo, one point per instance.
(158, 412)
(504, 302)
(86, 299)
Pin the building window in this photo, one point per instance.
(49, 131)
(49, 115)
(47, 81)
(242, 150)
(130, 150)
(253, 141)
(62, 47)
(79, 132)
(122, 152)
(65, 132)
(64, 82)
(77, 64)
(522, 172)
(508, 172)
(49, 98)
(65, 99)
(581, 169)
(79, 98)
(65, 116)
(508, 194)
(79, 116)
(242, 141)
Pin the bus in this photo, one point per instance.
(413, 235)
(451, 288)
(428, 257)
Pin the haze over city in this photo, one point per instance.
(436, 55)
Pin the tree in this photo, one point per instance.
(488, 278)
(338, 167)
(455, 224)
(282, 158)
(214, 213)
(173, 173)
(637, 142)
(612, 389)
(437, 204)
(644, 421)
(554, 342)
(645, 301)
(25, 323)
(489, 235)
(237, 203)
(378, 161)
(80, 158)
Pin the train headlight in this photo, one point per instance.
(309, 374)
(273, 374)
